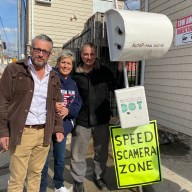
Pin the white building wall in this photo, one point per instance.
(57, 19)
(168, 80)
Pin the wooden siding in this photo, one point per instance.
(168, 80)
(54, 20)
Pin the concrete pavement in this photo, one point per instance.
(176, 160)
(89, 185)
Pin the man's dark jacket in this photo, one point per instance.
(16, 92)
(94, 88)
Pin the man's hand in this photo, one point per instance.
(59, 106)
(59, 137)
(4, 142)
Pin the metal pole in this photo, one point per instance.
(142, 78)
(116, 4)
(142, 74)
(126, 80)
(32, 19)
(124, 63)
(1, 50)
(19, 28)
(125, 75)
(143, 62)
(142, 71)
(140, 189)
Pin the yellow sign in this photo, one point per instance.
(136, 155)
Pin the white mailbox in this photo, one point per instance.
(132, 106)
(136, 35)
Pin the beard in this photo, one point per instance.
(41, 63)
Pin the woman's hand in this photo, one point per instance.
(61, 110)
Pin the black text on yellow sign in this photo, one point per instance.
(136, 155)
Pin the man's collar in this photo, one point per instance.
(48, 68)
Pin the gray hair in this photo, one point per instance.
(89, 44)
(66, 53)
(42, 37)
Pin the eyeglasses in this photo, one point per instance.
(37, 51)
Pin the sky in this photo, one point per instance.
(8, 23)
(132, 4)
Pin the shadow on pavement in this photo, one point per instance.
(158, 187)
(175, 149)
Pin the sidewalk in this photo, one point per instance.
(176, 160)
(89, 185)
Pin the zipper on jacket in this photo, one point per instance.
(88, 78)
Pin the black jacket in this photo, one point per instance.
(94, 89)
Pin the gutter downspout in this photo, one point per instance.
(32, 19)
(19, 28)
(31, 16)
(143, 62)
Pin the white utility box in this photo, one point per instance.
(132, 106)
(137, 35)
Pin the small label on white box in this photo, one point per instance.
(132, 106)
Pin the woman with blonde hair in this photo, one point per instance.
(68, 109)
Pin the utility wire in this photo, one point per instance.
(3, 29)
(126, 3)
(127, 6)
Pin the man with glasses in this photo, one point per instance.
(29, 92)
